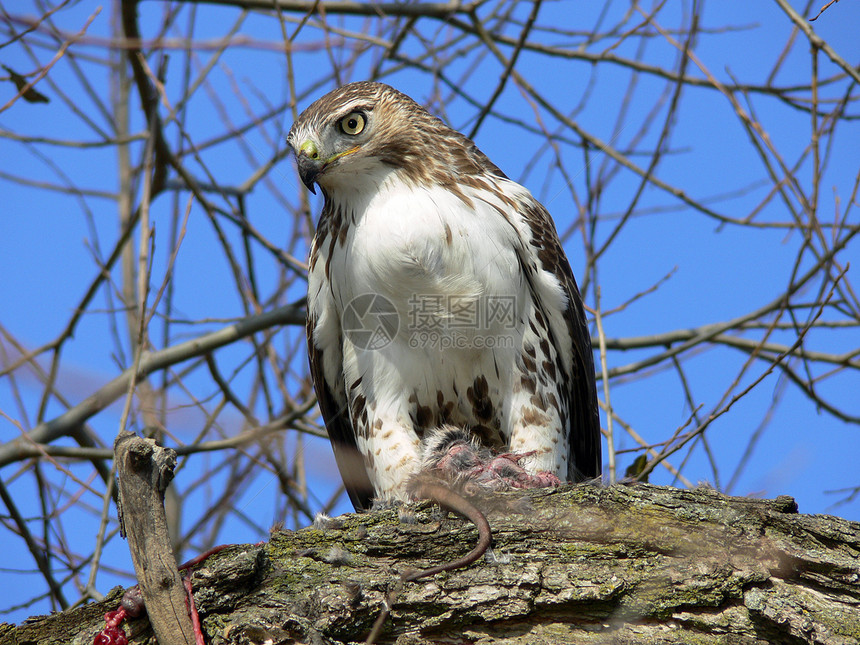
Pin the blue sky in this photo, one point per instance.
(716, 272)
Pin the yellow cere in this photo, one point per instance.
(310, 149)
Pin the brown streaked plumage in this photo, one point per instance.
(461, 271)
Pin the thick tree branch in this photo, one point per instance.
(580, 564)
(144, 472)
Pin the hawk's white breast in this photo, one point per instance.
(435, 259)
(438, 258)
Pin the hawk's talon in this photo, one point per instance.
(453, 456)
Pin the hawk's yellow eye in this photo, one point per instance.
(352, 123)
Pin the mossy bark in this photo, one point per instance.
(580, 564)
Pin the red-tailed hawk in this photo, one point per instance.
(445, 328)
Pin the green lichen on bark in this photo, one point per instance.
(580, 564)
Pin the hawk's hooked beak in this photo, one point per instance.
(308, 170)
(309, 164)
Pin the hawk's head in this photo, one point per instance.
(368, 130)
